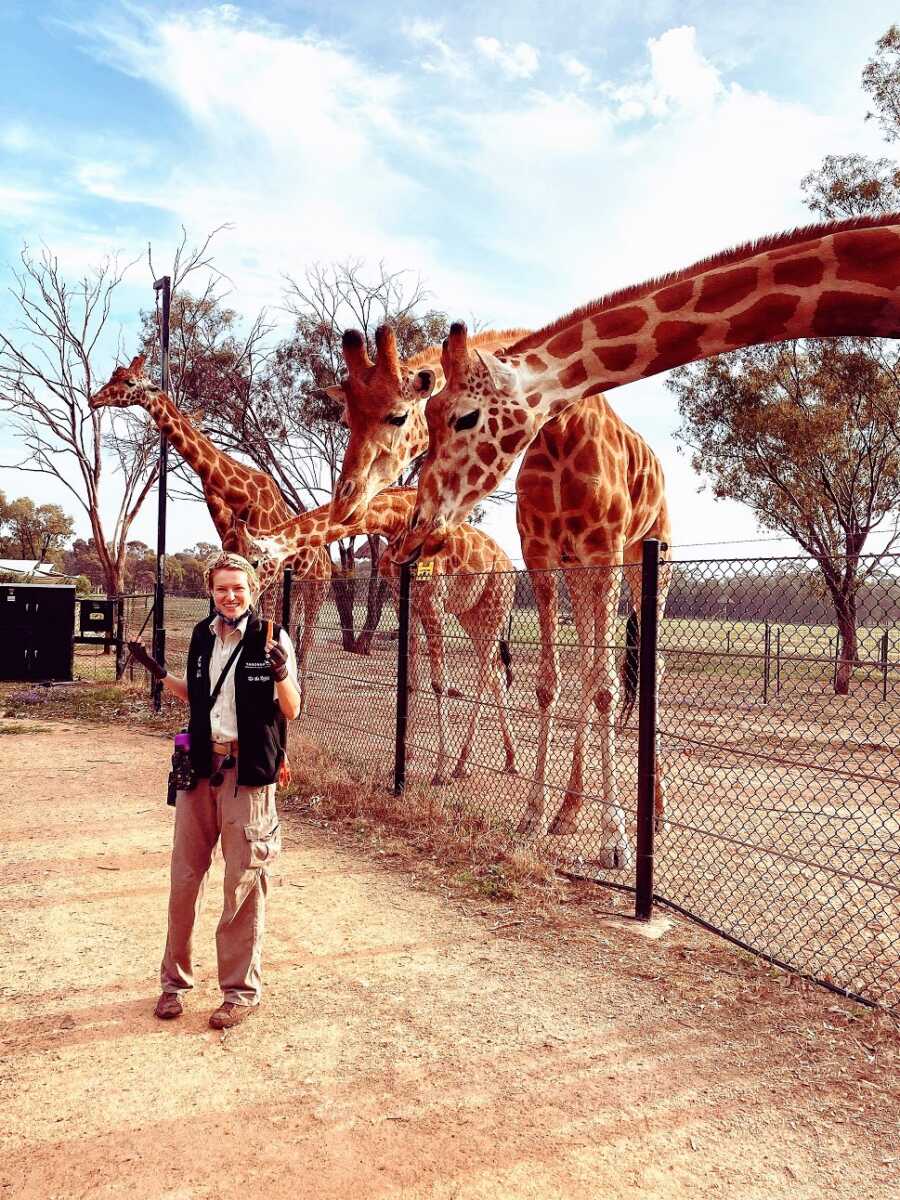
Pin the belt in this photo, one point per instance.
(225, 748)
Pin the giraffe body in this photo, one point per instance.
(241, 501)
(573, 473)
(824, 281)
(473, 581)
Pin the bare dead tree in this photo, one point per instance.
(46, 379)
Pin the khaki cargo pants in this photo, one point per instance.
(246, 820)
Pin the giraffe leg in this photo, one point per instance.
(432, 618)
(483, 650)
(594, 601)
(313, 594)
(546, 597)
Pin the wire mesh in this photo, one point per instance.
(779, 746)
(348, 678)
(778, 735)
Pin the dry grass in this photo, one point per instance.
(455, 840)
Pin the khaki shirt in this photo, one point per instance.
(223, 717)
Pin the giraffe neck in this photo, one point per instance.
(193, 446)
(826, 281)
(387, 514)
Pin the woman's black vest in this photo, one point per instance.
(261, 725)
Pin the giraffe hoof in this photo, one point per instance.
(563, 824)
(614, 858)
(529, 824)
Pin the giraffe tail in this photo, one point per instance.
(629, 672)
(506, 659)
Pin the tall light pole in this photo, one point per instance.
(163, 285)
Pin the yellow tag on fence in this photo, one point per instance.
(425, 568)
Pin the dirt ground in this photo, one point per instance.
(410, 1044)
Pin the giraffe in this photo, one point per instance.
(473, 581)
(555, 506)
(240, 500)
(384, 410)
(835, 279)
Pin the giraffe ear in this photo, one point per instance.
(501, 375)
(423, 383)
(136, 366)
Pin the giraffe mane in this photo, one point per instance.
(638, 291)
(486, 340)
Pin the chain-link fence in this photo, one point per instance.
(780, 746)
(778, 735)
(781, 827)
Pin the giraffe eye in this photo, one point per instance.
(466, 422)
(397, 419)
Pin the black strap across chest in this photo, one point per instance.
(214, 694)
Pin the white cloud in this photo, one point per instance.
(442, 59)
(516, 62)
(677, 78)
(18, 202)
(573, 66)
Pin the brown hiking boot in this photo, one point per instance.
(168, 1006)
(228, 1015)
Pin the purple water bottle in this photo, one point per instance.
(181, 777)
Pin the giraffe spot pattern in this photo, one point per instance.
(620, 322)
(594, 390)
(511, 443)
(670, 298)
(487, 452)
(678, 342)
(533, 399)
(617, 358)
(763, 321)
(801, 272)
(573, 374)
(843, 313)
(566, 343)
(535, 362)
(725, 289)
(868, 256)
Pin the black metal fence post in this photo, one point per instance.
(402, 681)
(163, 285)
(120, 636)
(286, 587)
(767, 661)
(647, 731)
(885, 651)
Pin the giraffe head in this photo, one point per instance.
(380, 401)
(125, 386)
(477, 425)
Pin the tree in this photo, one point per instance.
(851, 185)
(33, 531)
(803, 433)
(46, 378)
(276, 412)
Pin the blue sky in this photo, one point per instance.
(521, 158)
